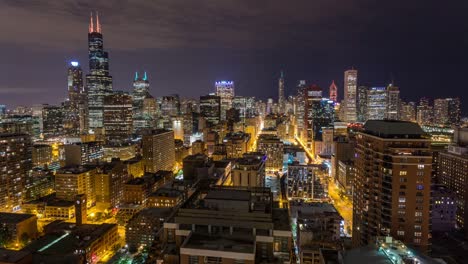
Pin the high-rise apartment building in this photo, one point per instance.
(225, 90)
(98, 81)
(159, 150)
(350, 89)
(118, 113)
(15, 166)
(76, 180)
(393, 103)
(392, 184)
(453, 173)
(210, 109)
(376, 103)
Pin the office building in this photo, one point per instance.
(447, 112)
(52, 121)
(389, 198)
(15, 167)
(233, 225)
(145, 108)
(333, 92)
(362, 103)
(272, 147)
(98, 81)
(118, 114)
(249, 171)
(393, 103)
(210, 109)
(350, 89)
(281, 97)
(425, 112)
(170, 106)
(166, 197)
(109, 181)
(313, 98)
(376, 103)
(75, 108)
(41, 155)
(300, 181)
(236, 144)
(225, 90)
(159, 150)
(408, 111)
(83, 153)
(72, 181)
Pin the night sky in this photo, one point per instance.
(185, 46)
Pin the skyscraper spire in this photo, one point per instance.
(145, 77)
(136, 75)
(91, 24)
(98, 25)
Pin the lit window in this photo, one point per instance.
(421, 167)
(402, 173)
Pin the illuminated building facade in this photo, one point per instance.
(83, 153)
(376, 103)
(71, 181)
(408, 111)
(98, 81)
(52, 121)
(118, 113)
(210, 109)
(15, 166)
(281, 97)
(144, 105)
(225, 90)
(272, 147)
(447, 112)
(350, 89)
(159, 150)
(362, 103)
(333, 92)
(389, 198)
(393, 103)
(75, 107)
(425, 112)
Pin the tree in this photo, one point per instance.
(5, 236)
(24, 239)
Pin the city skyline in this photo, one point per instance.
(255, 72)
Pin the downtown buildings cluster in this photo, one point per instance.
(227, 178)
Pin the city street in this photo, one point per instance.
(343, 204)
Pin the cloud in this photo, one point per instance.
(19, 90)
(137, 24)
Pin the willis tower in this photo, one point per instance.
(98, 81)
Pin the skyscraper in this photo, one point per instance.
(98, 81)
(333, 92)
(376, 103)
(350, 87)
(144, 105)
(362, 103)
(393, 103)
(16, 163)
(225, 90)
(118, 123)
(447, 111)
(159, 150)
(52, 121)
(281, 98)
(313, 105)
(210, 109)
(392, 184)
(425, 112)
(75, 107)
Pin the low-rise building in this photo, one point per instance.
(19, 228)
(165, 197)
(249, 171)
(272, 146)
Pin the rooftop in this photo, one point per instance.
(237, 195)
(75, 169)
(167, 192)
(12, 218)
(205, 242)
(12, 256)
(393, 129)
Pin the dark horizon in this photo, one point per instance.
(420, 45)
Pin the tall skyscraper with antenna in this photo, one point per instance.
(333, 92)
(281, 97)
(98, 81)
